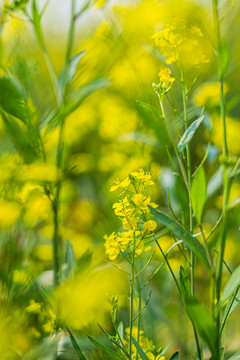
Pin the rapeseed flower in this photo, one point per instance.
(134, 213)
(146, 344)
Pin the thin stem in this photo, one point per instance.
(132, 296)
(209, 255)
(229, 309)
(226, 180)
(59, 158)
(139, 312)
(184, 97)
(189, 178)
(169, 130)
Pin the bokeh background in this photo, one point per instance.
(109, 136)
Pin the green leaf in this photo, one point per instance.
(75, 345)
(223, 60)
(73, 101)
(185, 285)
(175, 356)
(164, 350)
(12, 100)
(70, 261)
(203, 322)
(105, 349)
(69, 70)
(140, 350)
(231, 286)
(150, 108)
(113, 340)
(198, 314)
(188, 135)
(182, 234)
(21, 141)
(233, 303)
(199, 193)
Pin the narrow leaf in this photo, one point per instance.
(150, 108)
(231, 286)
(69, 70)
(140, 350)
(182, 234)
(70, 260)
(164, 350)
(73, 101)
(199, 193)
(203, 322)
(105, 349)
(75, 345)
(188, 135)
(175, 356)
(11, 99)
(113, 340)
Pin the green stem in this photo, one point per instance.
(60, 148)
(189, 178)
(132, 297)
(226, 179)
(139, 312)
(170, 134)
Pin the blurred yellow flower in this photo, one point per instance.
(9, 213)
(40, 172)
(34, 307)
(82, 300)
(208, 94)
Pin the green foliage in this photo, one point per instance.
(182, 234)
(140, 350)
(75, 345)
(69, 71)
(175, 356)
(232, 285)
(199, 193)
(199, 315)
(188, 135)
(12, 100)
(112, 354)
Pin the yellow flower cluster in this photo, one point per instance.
(181, 43)
(45, 315)
(117, 243)
(166, 81)
(133, 211)
(146, 344)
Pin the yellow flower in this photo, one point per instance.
(34, 307)
(124, 184)
(141, 201)
(165, 77)
(149, 225)
(208, 94)
(117, 243)
(166, 81)
(9, 213)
